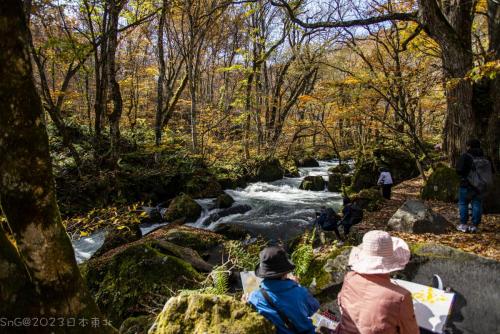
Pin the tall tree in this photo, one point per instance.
(27, 193)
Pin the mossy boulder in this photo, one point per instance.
(442, 185)
(205, 313)
(326, 269)
(232, 231)
(340, 168)
(335, 182)
(224, 201)
(126, 279)
(199, 240)
(203, 185)
(315, 183)
(369, 199)
(117, 236)
(307, 161)
(268, 170)
(291, 169)
(474, 279)
(182, 207)
(365, 175)
(399, 162)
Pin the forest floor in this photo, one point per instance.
(485, 243)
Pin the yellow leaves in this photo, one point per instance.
(151, 70)
(491, 69)
(306, 98)
(84, 234)
(350, 80)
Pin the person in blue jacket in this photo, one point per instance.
(281, 300)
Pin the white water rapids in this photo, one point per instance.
(280, 210)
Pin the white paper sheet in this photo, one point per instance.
(249, 281)
(432, 306)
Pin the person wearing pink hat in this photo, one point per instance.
(369, 302)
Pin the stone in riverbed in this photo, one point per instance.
(334, 182)
(268, 170)
(414, 216)
(206, 313)
(182, 207)
(340, 168)
(306, 162)
(315, 183)
(236, 209)
(224, 201)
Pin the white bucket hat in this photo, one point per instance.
(379, 254)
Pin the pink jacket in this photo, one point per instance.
(372, 304)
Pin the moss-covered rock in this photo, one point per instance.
(369, 199)
(224, 201)
(202, 185)
(232, 231)
(315, 183)
(365, 175)
(117, 236)
(268, 170)
(182, 207)
(334, 182)
(307, 161)
(442, 185)
(340, 168)
(326, 269)
(399, 162)
(125, 280)
(205, 313)
(291, 169)
(198, 239)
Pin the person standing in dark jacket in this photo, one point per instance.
(467, 194)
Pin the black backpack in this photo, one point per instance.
(481, 175)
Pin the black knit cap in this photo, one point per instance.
(274, 263)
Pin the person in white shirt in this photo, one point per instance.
(385, 180)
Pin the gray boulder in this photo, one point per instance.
(415, 217)
(334, 182)
(315, 183)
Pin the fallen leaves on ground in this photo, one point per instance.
(485, 243)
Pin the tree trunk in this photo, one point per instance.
(116, 114)
(161, 77)
(27, 193)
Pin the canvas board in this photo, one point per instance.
(432, 306)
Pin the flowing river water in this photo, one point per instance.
(279, 210)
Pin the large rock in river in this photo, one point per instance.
(415, 216)
(442, 185)
(224, 201)
(182, 207)
(307, 161)
(126, 279)
(206, 313)
(474, 279)
(268, 170)
(335, 182)
(315, 183)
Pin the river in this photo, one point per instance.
(279, 210)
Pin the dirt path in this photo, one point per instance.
(485, 243)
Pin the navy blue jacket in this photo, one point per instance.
(292, 299)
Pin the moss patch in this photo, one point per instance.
(123, 283)
(205, 313)
(370, 199)
(442, 185)
(183, 206)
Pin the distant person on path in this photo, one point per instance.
(282, 300)
(476, 175)
(369, 302)
(352, 214)
(385, 181)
